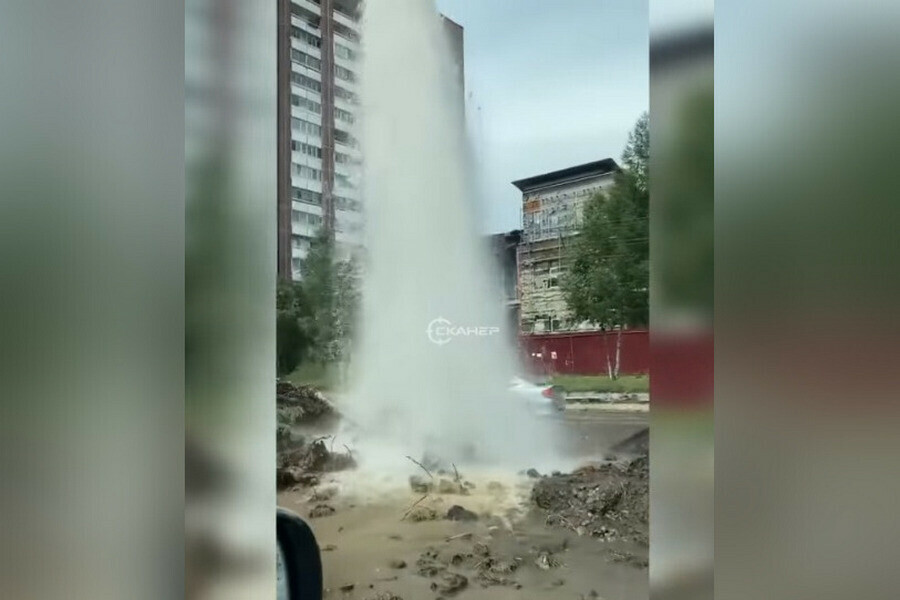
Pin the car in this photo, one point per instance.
(298, 559)
(543, 399)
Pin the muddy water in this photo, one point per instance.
(368, 531)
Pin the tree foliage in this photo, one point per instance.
(316, 314)
(608, 279)
(636, 156)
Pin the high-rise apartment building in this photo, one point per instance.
(319, 162)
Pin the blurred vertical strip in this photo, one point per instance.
(681, 300)
(231, 221)
(807, 289)
(91, 299)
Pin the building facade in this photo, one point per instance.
(552, 212)
(504, 248)
(319, 161)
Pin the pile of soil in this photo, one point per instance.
(303, 462)
(302, 405)
(609, 501)
(303, 410)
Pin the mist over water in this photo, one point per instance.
(427, 264)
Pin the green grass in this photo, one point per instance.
(323, 377)
(631, 384)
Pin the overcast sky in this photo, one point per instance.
(558, 83)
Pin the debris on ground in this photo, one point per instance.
(422, 513)
(302, 405)
(321, 510)
(446, 486)
(449, 583)
(419, 484)
(305, 408)
(328, 548)
(384, 596)
(609, 501)
(428, 564)
(397, 563)
(546, 561)
(299, 464)
(458, 513)
(629, 558)
(482, 564)
(319, 458)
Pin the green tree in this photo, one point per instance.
(636, 156)
(319, 282)
(316, 315)
(292, 339)
(607, 282)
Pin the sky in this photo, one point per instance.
(549, 85)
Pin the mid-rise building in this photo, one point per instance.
(319, 160)
(552, 212)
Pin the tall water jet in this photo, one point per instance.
(434, 359)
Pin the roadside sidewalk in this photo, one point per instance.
(608, 397)
(620, 407)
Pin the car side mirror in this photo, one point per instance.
(299, 561)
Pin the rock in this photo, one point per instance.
(458, 513)
(450, 584)
(546, 561)
(328, 548)
(533, 473)
(321, 510)
(428, 564)
(348, 587)
(385, 596)
(397, 563)
(558, 582)
(422, 513)
(446, 486)
(419, 484)
(395, 537)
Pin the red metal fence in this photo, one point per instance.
(584, 353)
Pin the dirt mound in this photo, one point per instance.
(610, 501)
(301, 464)
(302, 405)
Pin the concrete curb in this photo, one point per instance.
(622, 407)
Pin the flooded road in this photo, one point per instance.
(370, 536)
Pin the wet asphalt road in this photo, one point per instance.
(590, 433)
